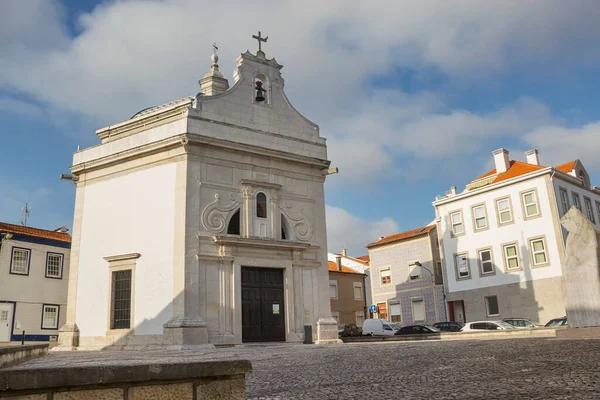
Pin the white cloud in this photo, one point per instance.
(558, 145)
(354, 233)
(129, 55)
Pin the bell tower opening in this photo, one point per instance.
(261, 89)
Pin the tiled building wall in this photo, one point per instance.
(398, 257)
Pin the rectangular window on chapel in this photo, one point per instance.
(120, 309)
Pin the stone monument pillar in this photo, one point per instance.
(581, 276)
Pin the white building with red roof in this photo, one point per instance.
(34, 274)
(502, 245)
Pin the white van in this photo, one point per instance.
(377, 327)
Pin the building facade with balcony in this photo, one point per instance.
(502, 245)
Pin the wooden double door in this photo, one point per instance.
(263, 311)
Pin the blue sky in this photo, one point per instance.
(412, 96)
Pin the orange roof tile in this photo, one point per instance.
(35, 232)
(568, 167)
(364, 258)
(332, 266)
(402, 236)
(519, 168)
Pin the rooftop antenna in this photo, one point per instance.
(26, 211)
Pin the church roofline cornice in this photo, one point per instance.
(191, 139)
(118, 130)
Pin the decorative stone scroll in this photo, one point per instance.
(301, 225)
(214, 216)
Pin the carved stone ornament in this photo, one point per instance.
(300, 224)
(214, 216)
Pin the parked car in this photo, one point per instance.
(520, 323)
(486, 326)
(417, 330)
(377, 327)
(450, 326)
(349, 330)
(558, 322)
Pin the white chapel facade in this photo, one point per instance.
(202, 221)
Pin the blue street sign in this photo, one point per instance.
(373, 308)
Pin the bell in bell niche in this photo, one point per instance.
(260, 91)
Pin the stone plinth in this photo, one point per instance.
(327, 331)
(152, 375)
(581, 271)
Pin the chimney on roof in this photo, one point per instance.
(501, 160)
(338, 262)
(532, 157)
(344, 252)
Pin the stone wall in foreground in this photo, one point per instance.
(121, 380)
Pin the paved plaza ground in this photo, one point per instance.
(466, 369)
(478, 369)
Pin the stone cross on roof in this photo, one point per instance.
(260, 39)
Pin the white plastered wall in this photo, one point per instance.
(131, 213)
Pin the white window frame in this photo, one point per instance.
(27, 261)
(333, 283)
(412, 268)
(589, 209)
(457, 267)
(412, 305)
(564, 200)
(534, 252)
(535, 201)
(487, 306)
(61, 259)
(381, 271)
(361, 315)
(577, 201)
(391, 315)
(453, 223)
(45, 307)
(500, 211)
(474, 210)
(122, 262)
(490, 261)
(506, 257)
(358, 285)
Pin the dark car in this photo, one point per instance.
(558, 322)
(450, 326)
(417, 330)
(350, 330)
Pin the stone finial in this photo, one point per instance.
(213, 82)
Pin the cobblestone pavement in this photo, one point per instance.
(541, 368)
(481, 369)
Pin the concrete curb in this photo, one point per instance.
(509, 334)
(11, 355)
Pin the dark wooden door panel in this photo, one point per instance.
(263, 317)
